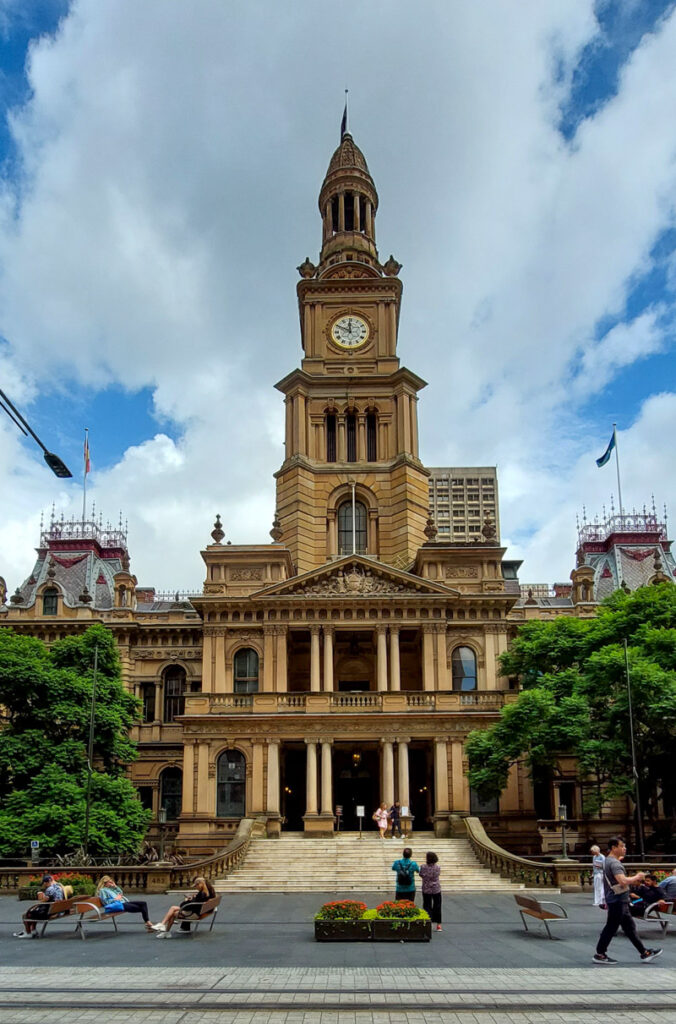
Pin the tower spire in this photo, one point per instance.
(343, 123)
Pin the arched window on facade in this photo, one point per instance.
(346, 539)
(50, 601)
(330, 437)
(171, 792)
(246, 671)
(371, 437)
(463, 665)
(231, 785)
(174, 692)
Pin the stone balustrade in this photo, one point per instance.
(322, 702)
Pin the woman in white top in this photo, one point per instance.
(380, 817)
(598, 863)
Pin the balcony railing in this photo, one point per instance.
(402, 701)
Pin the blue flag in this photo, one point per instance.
(606, 455)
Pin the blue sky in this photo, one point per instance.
(160, 173)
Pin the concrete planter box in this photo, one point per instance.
(401, 931)
(343, 931)
(376, 931)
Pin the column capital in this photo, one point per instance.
(329, 630)
(325, 739)
(311, 742)
(315, 629)
(387, 739)
(381, 629)
(272, 741)
(403, 739)
(395, 627)
(430, 627)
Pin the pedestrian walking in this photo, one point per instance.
(431, 887)
(380, 816)
(597, 866)
(616, 890)
(406, 871)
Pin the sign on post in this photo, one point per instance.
(360, 815)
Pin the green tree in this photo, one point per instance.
(574, 701)
(45, 702)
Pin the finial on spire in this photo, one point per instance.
(343, 123)
(217, 532)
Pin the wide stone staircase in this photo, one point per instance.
(348, 864)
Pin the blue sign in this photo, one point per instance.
(35, 844)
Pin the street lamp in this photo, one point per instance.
(162, 821)
(57, 466)
(563, 818)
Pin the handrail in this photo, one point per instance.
(150, 877)
(509, 865)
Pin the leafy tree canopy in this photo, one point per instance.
(574, 701)
(45, 704)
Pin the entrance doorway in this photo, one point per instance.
(420, 787)
(356, 782)
(293, 770)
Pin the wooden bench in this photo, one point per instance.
(660, 916)
(91, 911)
(57, 909)
(531, 907)
(201, 912)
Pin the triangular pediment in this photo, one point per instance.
(356, 576)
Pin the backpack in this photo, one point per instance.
(404, 875)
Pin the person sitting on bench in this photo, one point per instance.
(204, 891)
(113, 899)
(50, 892)
(668, 887)
(643, 896)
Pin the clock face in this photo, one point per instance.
(349, 331)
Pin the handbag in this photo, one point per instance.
(113, 907)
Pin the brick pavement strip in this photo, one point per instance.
(44, 995)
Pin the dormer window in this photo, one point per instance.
(50, 601)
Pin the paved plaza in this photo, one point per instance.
(261, 965)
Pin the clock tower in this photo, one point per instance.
(351, 479)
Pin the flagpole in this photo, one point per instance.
(84, 478)
(617, 464)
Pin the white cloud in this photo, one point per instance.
(173, 158)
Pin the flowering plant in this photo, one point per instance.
(401, 909)
(341, 910)
(82, 885)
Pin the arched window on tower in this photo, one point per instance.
(463, 665)
(330, 437)
(171, 791)
(351, 427)
(174, 692)
(349, 211)
(334, 213)
(246, 671)
(371, 437)
(346, 537)
(50, 601)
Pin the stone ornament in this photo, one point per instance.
(354, 581)
(246, 574)
(217, 532)
(461, 572)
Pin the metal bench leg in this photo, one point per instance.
(114, 923)
(523, 919)
(213, 920)
(548, 931)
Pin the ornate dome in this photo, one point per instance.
(348, 155)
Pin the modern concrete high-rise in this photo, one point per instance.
(460, 499)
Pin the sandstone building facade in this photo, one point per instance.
(345, 662)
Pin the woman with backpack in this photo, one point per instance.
(406, 871)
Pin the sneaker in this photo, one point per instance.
(167, 935)
(602, 958)
(25, 935)
(650, 954)
(438, 927)
(159, 927)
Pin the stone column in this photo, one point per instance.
(302, 424)
(268, 659)
(220, 676)
(341, 442)
(361, 437)
(402, 765)
(207, 662)
(381, 657)
(203, 779)
(460, 785)
(311, 778)
(328, 659)
(395, 673)
(314, 659)
(289, 426)
(442, 658)
(356, 223)
(441, 776)
(187, 800)
(341, 211)
(429, 682)
(273, 777)
(414, 426)
(388, 771)
(332, 538)
(257, 779)
(281, 660)
(327, 779)
(369, 219)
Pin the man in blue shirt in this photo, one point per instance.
(406, 869)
